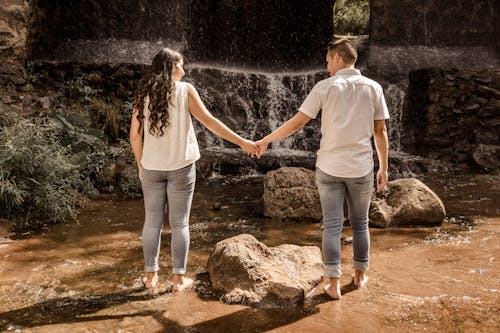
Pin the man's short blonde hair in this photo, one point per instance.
(345, 48)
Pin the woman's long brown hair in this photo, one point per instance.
(158, 84)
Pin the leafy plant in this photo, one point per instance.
(351, 17)
(49, 165)
(38, 182)
(78, 89)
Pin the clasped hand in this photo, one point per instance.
(254, 149)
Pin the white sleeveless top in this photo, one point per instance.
(177, 147)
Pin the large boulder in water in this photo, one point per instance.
(246, 271)
(291, 193)
(406, 202)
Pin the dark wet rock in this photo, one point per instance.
(449, 122)
(488, 157)
(406, 202)
(246, 271)
(234, 162)
(291, 193)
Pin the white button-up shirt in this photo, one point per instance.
(350, 102)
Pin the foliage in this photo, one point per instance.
(38, 182)
(112, 116)
(88, 151)
(3, 120)
(31, 73)
(351, 17)
(77, 89)
(48, 166)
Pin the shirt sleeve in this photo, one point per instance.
(312, 104)
(381, 110)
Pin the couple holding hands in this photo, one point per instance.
(165, 148)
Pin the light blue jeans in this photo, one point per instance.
(177, 187)
(332, 192)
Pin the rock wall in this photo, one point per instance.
(14, 17)
(412, 34)
(434, 22)
(271, 35)
(452, 112)
(275, 35)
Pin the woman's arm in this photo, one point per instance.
(135, 137)
(289, 127)
(200, 112)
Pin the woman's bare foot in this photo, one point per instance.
(360, 279)
(180, 283)
(333, 289)
(150, 280)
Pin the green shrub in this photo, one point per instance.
(38, 182)
(49, 166)
(86, 146)
(351, 17)
(78, 89)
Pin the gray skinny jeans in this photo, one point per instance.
(177, 187)
(332, 192)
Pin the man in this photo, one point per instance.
(353, 110)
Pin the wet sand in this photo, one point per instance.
(82, 276)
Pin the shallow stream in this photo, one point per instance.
(84, 275)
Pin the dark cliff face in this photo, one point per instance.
(451, 113)
(434, 23)
(58, 21)
(252, 34)
(263, 34)
(413, 34)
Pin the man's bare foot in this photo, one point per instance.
(334, 294)
(150, 280)
(360, 279)
(180, 283)
(333, 289)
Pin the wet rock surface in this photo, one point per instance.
(248, 272)
(455, 116)
(291, 193)
(488, 157)
(406, 202)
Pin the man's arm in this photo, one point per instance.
(289, 127)
(382, 146)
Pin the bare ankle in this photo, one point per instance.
(333, 288)
(334, 282)
(360, 278)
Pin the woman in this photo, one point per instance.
(165, 149)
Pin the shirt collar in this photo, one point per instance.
(348, 71)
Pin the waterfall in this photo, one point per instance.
(254, 103)
(395, 95)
